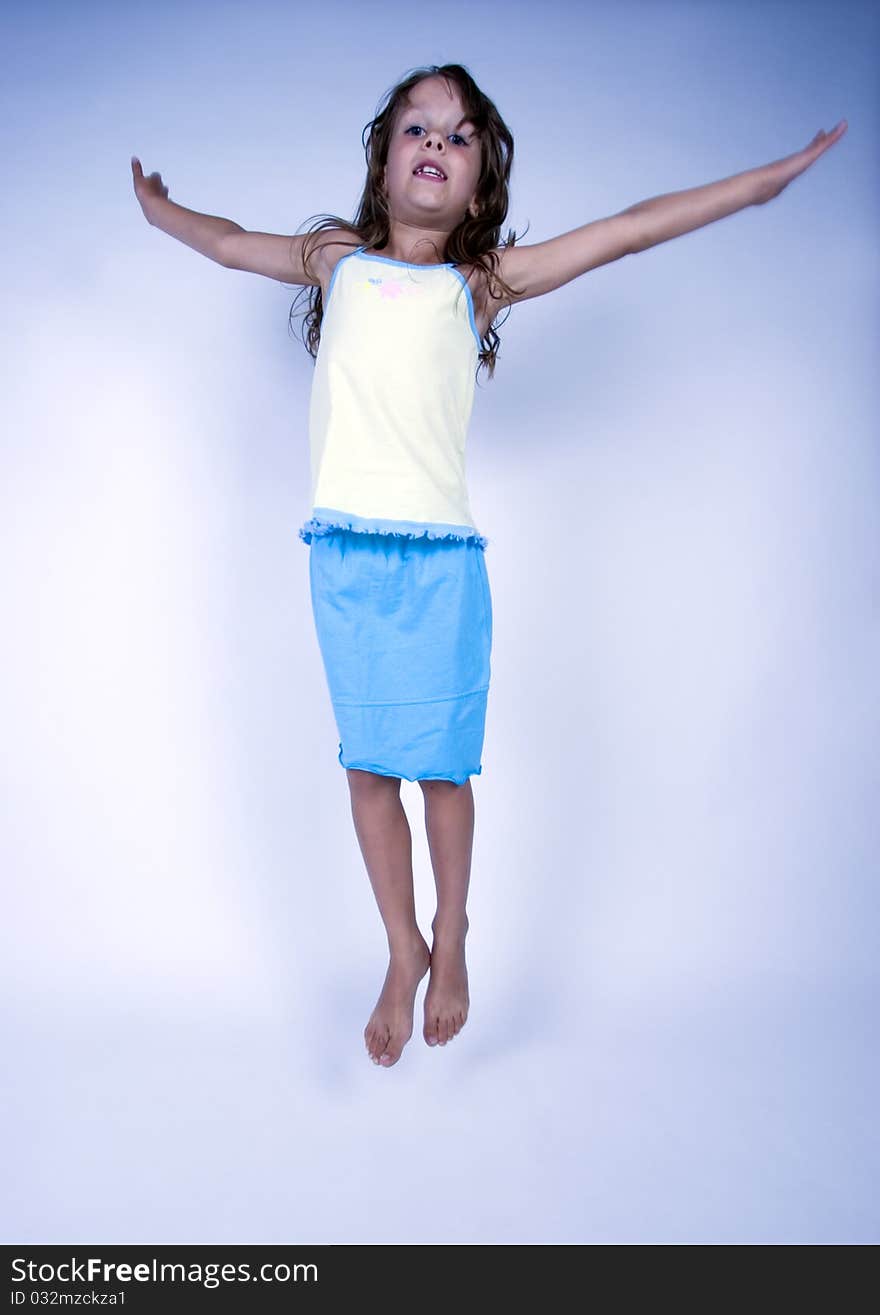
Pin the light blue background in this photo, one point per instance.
(673, 947)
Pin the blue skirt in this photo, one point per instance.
(404, 626)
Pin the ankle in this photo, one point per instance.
(450, 926)
(405, 943)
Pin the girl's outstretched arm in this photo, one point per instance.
(222, 240)
(548, 265)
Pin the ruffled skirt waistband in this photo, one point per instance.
(325, 520)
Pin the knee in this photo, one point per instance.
(440, 789)
(371, 785)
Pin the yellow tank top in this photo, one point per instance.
(391, 401)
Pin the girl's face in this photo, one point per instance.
(433, 129)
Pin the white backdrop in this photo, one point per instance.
(673, 900)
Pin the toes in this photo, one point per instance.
(439, 1031)
(386, 1051)
(376, 1041)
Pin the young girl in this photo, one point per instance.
(404, 299)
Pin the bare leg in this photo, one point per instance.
(386, 844)
(449, 822)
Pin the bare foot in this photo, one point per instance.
(447, 999)
(391, 1022)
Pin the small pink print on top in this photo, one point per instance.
(392, 289)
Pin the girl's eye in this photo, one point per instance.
(417, 128)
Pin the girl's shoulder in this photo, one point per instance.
(332, 245)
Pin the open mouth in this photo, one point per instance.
(423, 172)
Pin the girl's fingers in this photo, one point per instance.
(825, 139)
(837, 127)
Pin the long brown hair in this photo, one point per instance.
(472, 241)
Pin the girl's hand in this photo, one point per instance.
(147, 190)
(780, 173)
